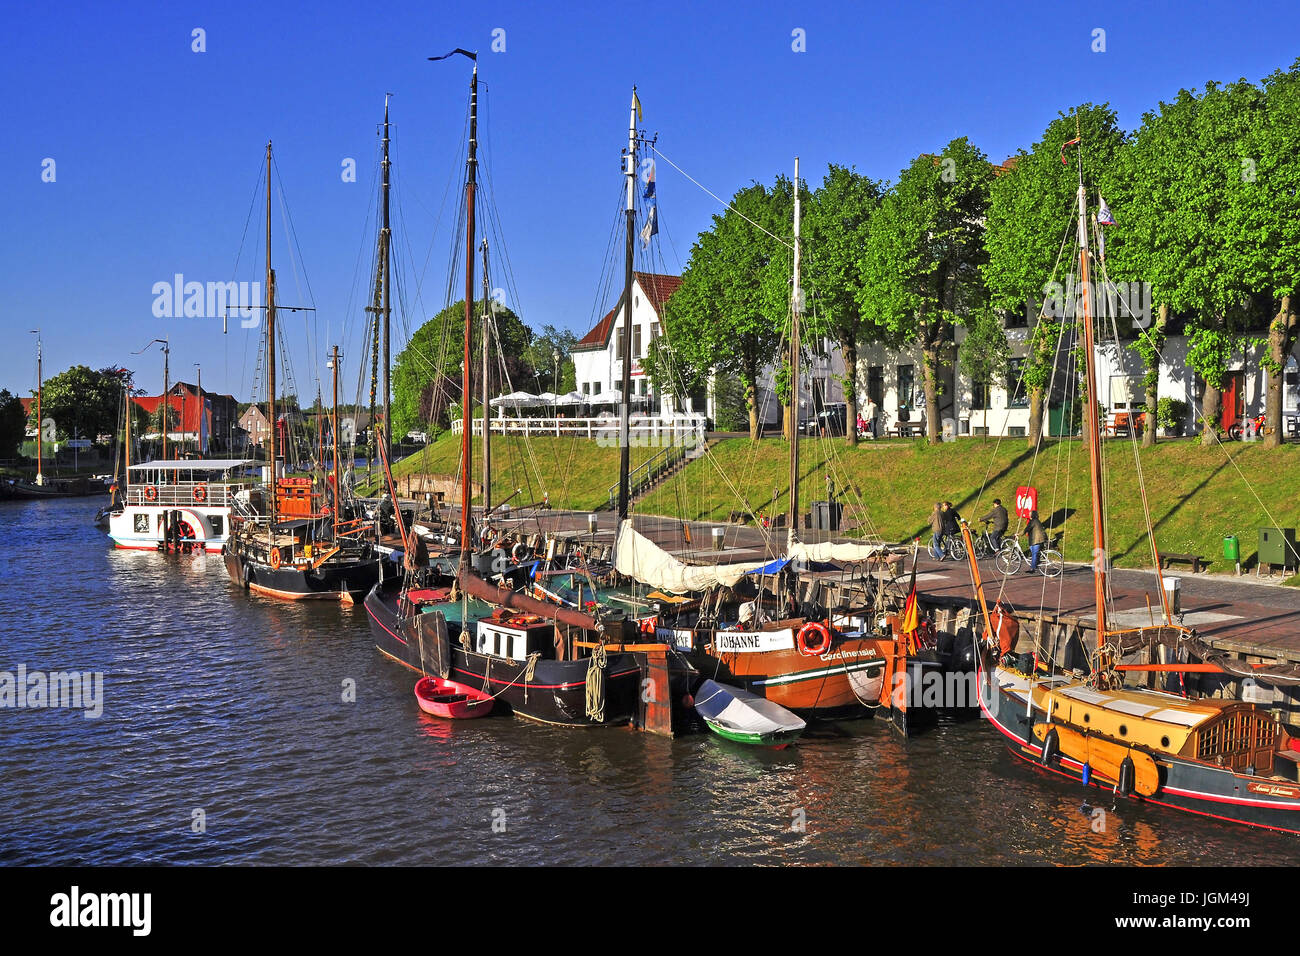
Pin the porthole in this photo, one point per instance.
(1087, 718)
(1164, 742)
(1123, 730)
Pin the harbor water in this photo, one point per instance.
(237, 729)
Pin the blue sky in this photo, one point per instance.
(157, 148)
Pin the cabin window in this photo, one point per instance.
(218, 524)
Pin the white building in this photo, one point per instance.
(598, 356)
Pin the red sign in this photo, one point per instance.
(1026, 501)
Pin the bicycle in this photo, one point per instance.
(952, 545)
(984, 547)
(1012, 556)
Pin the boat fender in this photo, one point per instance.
(150, 493)
(803, 641)
(1087, 773)
(200, 493)
(246, 575)
(519, 552)
(1127, 774)
(1051, 746)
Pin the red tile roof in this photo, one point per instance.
(658, 290)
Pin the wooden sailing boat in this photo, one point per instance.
(1217, 758)
(306, 556)
(551, 664)
(43, 487)
(826, 666)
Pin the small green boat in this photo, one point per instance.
(745, 717)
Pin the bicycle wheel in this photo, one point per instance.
(956, 548)
(937, 555)
(1051, 562)
(1008, 560)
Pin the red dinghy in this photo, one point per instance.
(446, 698)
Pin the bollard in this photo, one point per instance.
(592, 520)
(717, 538)
(1172, 588)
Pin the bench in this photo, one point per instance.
(1196, 562)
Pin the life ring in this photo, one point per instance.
(485, 536)
(523, 620)
(150, 493)
(520, 552)
(275, 559)
(200, 493)
(803, 644)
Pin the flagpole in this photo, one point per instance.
(624, 438)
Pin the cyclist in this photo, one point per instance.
(950, 520)
(998, 518)
(1037, 540)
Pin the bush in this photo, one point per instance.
(1171, 413)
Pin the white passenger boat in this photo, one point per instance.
(182, 504)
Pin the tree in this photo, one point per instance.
(838, 222)
(83, 401)
(426, 377)
(1030, 210)
(540, 357)
(730, 313)
(13, 424)
(921, 265)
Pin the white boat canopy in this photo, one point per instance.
(194, 464)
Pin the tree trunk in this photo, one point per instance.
(1281, 337)
(1035, 429)
(1153, 391)
(930, 367)
(850, 350)
(751, 403)
(1211, 412)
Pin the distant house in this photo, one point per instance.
(222, 412)
(256, 425)
(598, 356)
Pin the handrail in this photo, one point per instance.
(652, 467)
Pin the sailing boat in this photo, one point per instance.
(552, 664)
(808, 659)
(1218, 758)
(307, 556)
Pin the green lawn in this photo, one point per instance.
(577, 472)
(1196, 495)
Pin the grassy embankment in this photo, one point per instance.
(1196, 495)
(576, 471)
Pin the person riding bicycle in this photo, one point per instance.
(999, 521)
(951, 520)
(1037, 540)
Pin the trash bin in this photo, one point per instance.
(826, 515)
(1172, 587)
(1231, 548)
(717, 538)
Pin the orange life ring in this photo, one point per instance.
(150, 493)
(275, 559)
(803, 645)
(200, 493)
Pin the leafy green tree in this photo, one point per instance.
(1031, 208)
(540, 356)
(83, 401)
(837, 224)
(426, 378)
(730, 313)
(922, 261)
(13, 424)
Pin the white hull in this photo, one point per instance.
(142, 527)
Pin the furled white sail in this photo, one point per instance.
(640, 558)
(824, 551)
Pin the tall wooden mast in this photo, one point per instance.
(385, 242)
(487, 413)
(796, 306)
(467, 369)
(1099, 556)
(40, 429)
(334, 440)
(270, 350)
(624, 426)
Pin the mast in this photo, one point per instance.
(385, 242)
(1090, 419)
(487, 417)
(40, 385)
(624, 438)
(796, 306)
(126, 473)
(466, 420)
(270, 349)
(166, 397)
(334, 440)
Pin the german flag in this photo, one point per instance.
(911, 612)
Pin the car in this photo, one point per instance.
(831, 417)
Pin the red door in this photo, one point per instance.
(1234, 393)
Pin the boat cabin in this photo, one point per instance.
(202, 481)
(515, 636)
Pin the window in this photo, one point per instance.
(218, 525)
(618, 343)
(636, 340)
(1022, 317)
(595, 388)
(980, 397)
(654, 331)
(586, 388)
(906, 387)
(876, 384)
(141, 523)
(1017, 395)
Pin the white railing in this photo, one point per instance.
(642, 429)
(215, 494)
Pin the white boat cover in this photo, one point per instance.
(826, 551)
(638, 557)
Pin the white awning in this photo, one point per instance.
(518, 400)
(196, 464)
